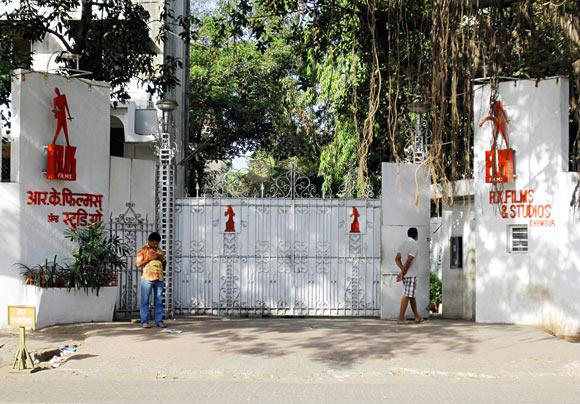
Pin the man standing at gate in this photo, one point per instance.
(151, 260)
(407, 263)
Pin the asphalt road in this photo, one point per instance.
(301, 361)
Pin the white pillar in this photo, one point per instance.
(405, 203)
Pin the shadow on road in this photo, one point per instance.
(338, 342)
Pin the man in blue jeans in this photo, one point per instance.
(151, 260)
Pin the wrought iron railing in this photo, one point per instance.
(289, 184)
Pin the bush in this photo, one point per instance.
(47, 275)
(434, 289)
(96, 259)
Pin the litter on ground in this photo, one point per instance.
(171, 331)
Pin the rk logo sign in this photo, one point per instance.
(499, 163)
(499, 166)
(61, 162)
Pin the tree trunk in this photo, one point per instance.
(197, 174)
(84, 26)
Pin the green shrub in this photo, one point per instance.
(434, 289)
(96, 260)
(48, 275)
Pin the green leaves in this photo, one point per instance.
(427, 51)
(96, 259)
(435, 291)
(47, 275)
(112, 38)
(239, 96)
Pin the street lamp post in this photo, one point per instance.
(165, 195)
(419, 147)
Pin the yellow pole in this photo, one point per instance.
(22, 356)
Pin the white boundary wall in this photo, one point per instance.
(132, 180)
(26, 236)
(458, 289)
(540, 287)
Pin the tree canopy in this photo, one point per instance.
(243, 98)
(358, 65)
(110, 37)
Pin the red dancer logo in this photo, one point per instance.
(61, 162)
(355, 227)
(230, 225)
(499, 163)
(60, 110)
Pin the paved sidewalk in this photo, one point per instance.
(299, 360)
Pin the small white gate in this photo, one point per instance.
(290, 254)
(132, 229)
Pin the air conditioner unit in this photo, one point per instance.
(140, 125)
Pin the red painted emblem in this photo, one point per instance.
(230, 225)
(61, 162)
(499, 166)
(355, 227)
(499, 163)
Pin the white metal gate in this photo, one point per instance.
(287, 255)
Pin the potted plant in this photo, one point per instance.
(28, 273)
(97, 258)
(81, 290)
(47, 275)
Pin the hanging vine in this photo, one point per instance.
(373, 105)
(389, 54)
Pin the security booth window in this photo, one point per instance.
(456, 253)
(518, 239)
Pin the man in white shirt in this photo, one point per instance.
(407, 263)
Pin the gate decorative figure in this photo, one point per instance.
(292, 252)
(133, 230)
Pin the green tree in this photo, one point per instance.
(242, 99)
(111, 39)
(365, 61)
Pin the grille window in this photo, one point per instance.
(518, 239)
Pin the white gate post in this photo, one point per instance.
(402, 186)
